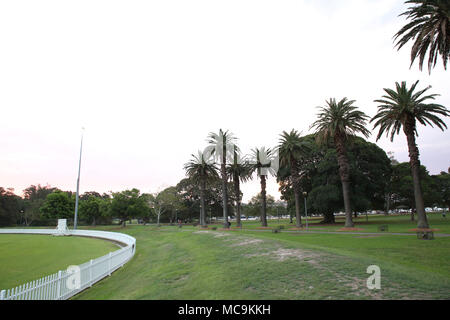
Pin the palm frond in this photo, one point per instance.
(429, 29)
(402, 106)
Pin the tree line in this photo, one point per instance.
(333, 168)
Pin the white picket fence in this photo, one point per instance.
(58, 286)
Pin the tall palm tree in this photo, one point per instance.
(221, 145)
(291, 150)
(429, 28)
(261, 163)
(239, 170)
(201, 169)
(339, 121)
(402, 108)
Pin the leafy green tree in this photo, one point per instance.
(402, 187)
(201, 170)
(189, 191)
(88, 194)
(34, 197)
(442, 184)
(128, 204)
(91, 209)
(369, 172)
(255, 204)
(239, 170)
(10, 206)
(326, 199)
(340, 121)
(221, 146)
(58, 205)
(292, 148)
(402, 109)
(429, 28)
(167, 200)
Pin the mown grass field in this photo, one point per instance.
(25, 258)
(190, 263)
(248, 263)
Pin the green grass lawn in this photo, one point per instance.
(203, 264)
(25, 258)
(396, 223)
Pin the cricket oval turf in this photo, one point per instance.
(26, 257)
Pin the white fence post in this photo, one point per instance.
(58, 290)
(90, 273)
(2, 294)
(109, 264)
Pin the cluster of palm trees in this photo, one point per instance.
(399, 109)
(337, 122)
(222, 149)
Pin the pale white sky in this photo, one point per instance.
(150, 79)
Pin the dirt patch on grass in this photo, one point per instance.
(359, 289)
(282, 254)
(215, 234)
(247, 242)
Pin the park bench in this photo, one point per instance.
(383, 227)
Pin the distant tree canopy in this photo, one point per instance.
(129, 204)
(190, 196)
(34, 197)
(369, 172)
(94, 209)
(402, 188)
(10, 206)
(253, 207)
(442, 185)
(58, 205)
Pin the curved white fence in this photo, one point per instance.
(60, 285)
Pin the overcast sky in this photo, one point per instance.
(150, 79)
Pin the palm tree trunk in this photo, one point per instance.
(237, 190)
(408, 129)
(202, 203)
(224, 189)
(263, 201)
(295, 186)
(345, 179)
